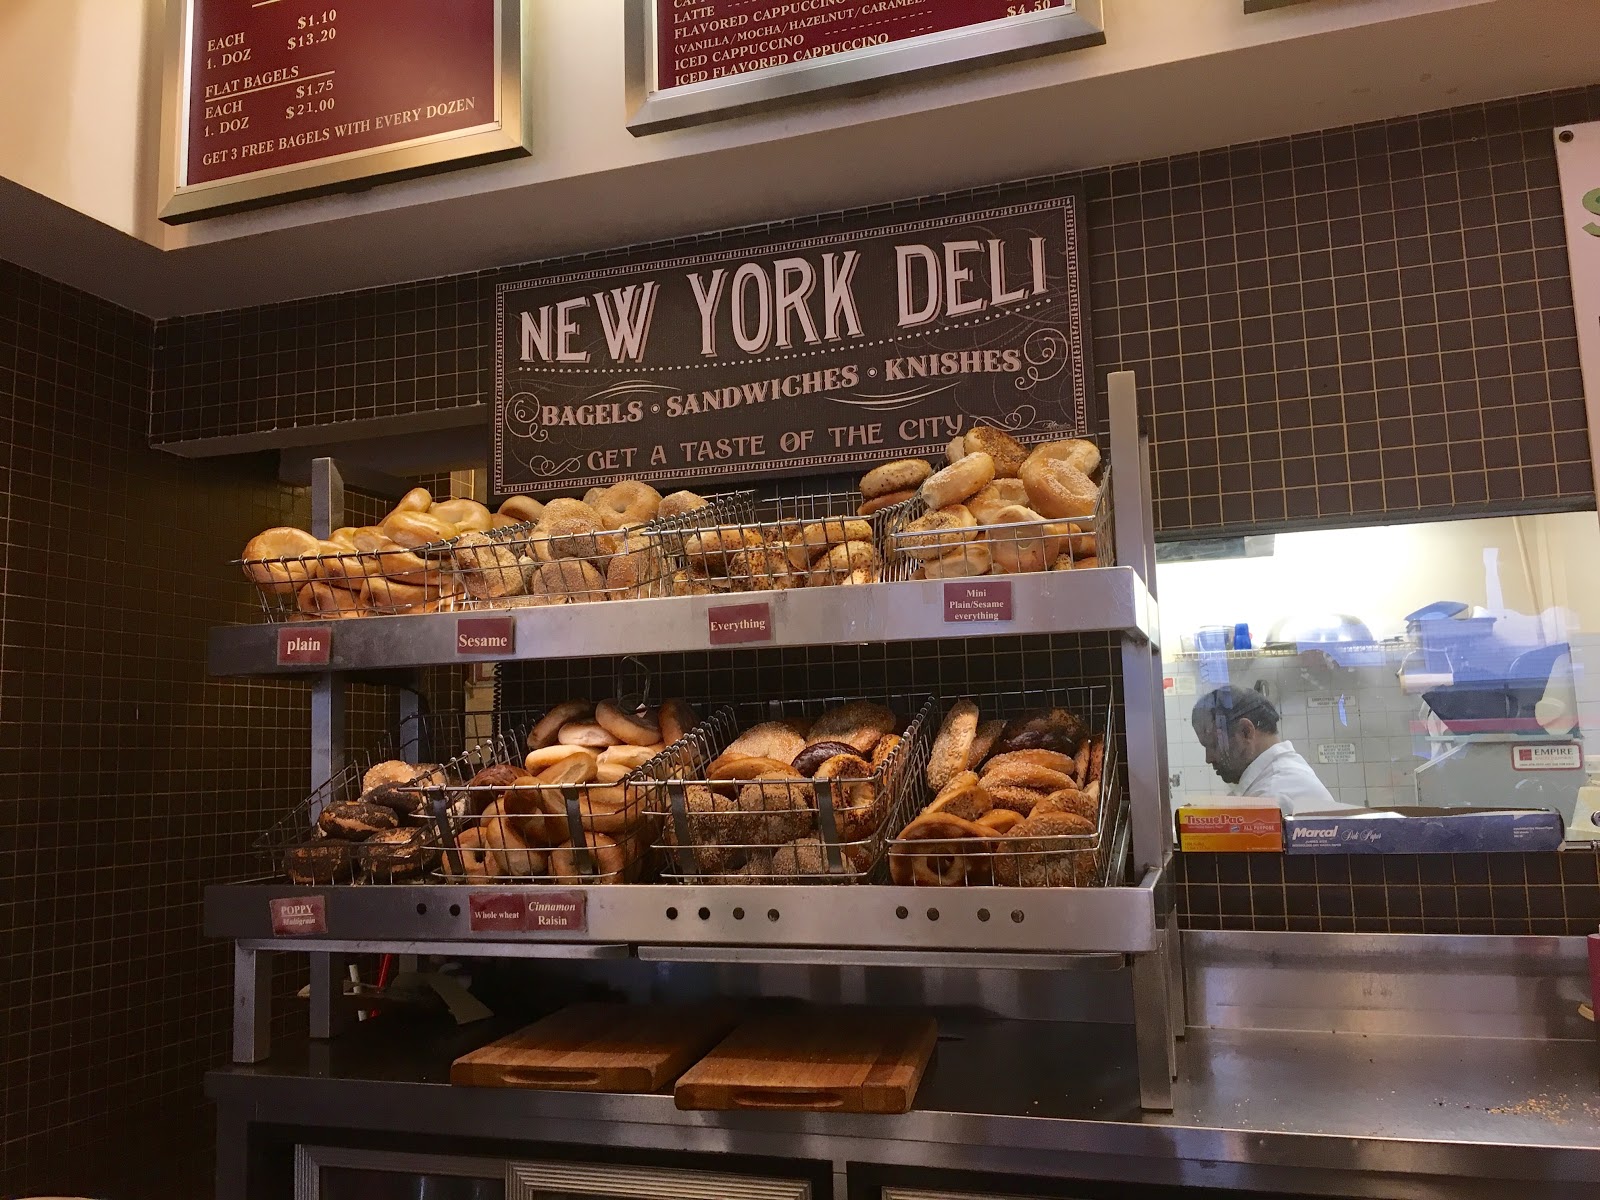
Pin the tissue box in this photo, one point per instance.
(1243, 826)
(1423, 831)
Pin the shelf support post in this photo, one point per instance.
(252, 1004)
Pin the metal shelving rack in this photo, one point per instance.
(1109, 928)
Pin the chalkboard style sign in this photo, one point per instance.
(819, 347)
(271, 97)
(701, 60)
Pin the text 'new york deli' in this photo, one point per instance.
(834, 347)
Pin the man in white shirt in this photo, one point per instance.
(1239, 729)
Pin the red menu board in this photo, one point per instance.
(274, 84)
(711, 39)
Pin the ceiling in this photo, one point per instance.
(1044, 123)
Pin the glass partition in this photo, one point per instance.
(1438, 665)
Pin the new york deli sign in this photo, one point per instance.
(822, 348)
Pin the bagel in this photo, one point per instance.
(1070, 800)
(418, 499)
(576, 768)
(470, 854)
(384, 595)
(568, 536)
(710, 551)
(972, 558)
(1081, 454)
(956, 450)
(844, 561)
(412, 529)
(1027, 543)
(770, 739)
(999, 494)
(572, 578)
(546, 757)
(1058, 489)
(319, 599)
(937, 850)
(884, 750)
(1008, 453)
(958, 481)
(381, 555)
(545, 729)
(953, 745)
(779, 809)
(989, 732)
(265, 554)
(814, 755)
(1018, 799)
(465, 515)
(964, 796)
(633, 728)
(678, 504)
(1046, 851)
(1045, 729)
(1000, 820)
(589, 734)
(815, 539)
(602, 861)
(1027, 775)
(633, 566)
(508, 852)
(521, 509)
(887, 500)
(1050, 760)
(856, 797)
(905, 475)
(677, 718)
(628, 758)
(859, 723)
(936, 533)
(488, 569)
(630, 502)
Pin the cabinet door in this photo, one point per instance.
(328, 1173)
(582, 1181)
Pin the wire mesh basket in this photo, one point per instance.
(925, 545)
(1038, 817)
(430, 747)
(494, 823)
(376, 577)
(532, 565)
(727, 817)
(808, 539)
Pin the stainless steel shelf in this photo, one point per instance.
(1111, 599)
(690, 919)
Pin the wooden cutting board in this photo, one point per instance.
(598, 1048)
(816, 1060)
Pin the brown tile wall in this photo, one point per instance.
(1331, 327)
(1555, 894)
(128, 780)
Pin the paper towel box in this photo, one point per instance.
(1422, 831)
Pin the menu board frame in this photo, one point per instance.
(182, 202)
(652, 109)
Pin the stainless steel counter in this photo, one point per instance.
(1350, 1113)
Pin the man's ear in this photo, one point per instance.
(1245, 728)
